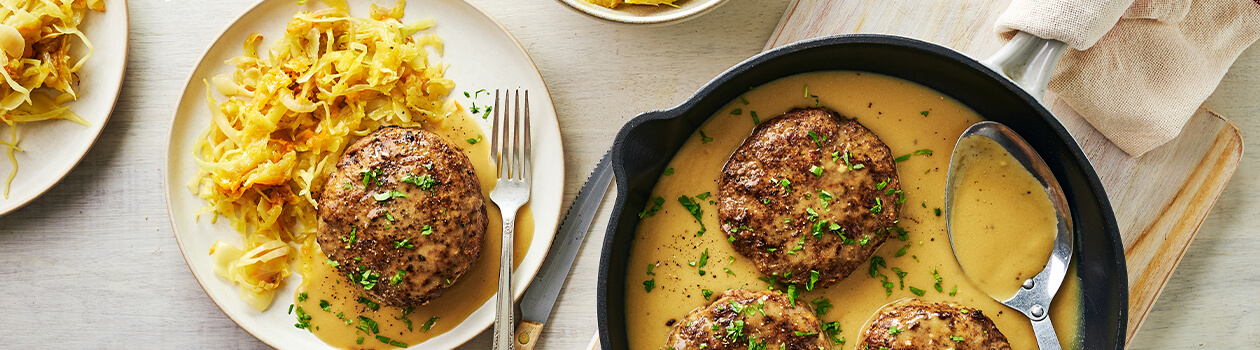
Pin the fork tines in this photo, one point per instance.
(508, 148)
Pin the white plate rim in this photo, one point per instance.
(10, 205)
(667, 17)
(522, 276)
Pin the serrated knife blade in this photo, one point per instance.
(538, 300)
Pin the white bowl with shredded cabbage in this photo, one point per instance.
(643, 11)
(221, 179)
(64, 63)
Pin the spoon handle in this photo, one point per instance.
(1047, 339)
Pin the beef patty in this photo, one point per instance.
(809, 193)
(743, 319)
(910, 324)
(402, 215)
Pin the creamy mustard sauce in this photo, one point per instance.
(907, 117)
(992, 206)
(321, 282)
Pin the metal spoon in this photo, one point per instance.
(1034, 297)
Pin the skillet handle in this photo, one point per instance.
(1028, 61)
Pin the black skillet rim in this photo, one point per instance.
(620, 173)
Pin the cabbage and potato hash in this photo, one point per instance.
(287, 119)
(36, 37)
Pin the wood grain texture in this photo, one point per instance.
(527, 333)
(1160, 199)
(93, 264)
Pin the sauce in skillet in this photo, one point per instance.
(992, 207)
(321, 282)
(907, 117)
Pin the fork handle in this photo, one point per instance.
(503, 322)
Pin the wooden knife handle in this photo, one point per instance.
(527, 335)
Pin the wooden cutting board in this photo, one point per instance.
(1159, 199)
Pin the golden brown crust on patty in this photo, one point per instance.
(443, 219)
(739, 317)
(910, 324)
(771, 205)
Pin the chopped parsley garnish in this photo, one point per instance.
(954, 291)
(879, 206)
(847, 163)
(324, 305)
(404, 244)
(648, 285)
(649, 271)
(917, 291)
(389, 217)
(902, 251)
(372, 175)
(704, 260)
(818, 139)
(893, 330)
(813, 278)
(937, 276)
(426, 230)
(924, 113)
(923, 152)
(368, 326)
(754, 117)
(387, 195)
(744, 100)
(737, 111)
(865, 240)
(705, 138)
(403, 317)
(669, 171)
(902, 158)
(353, 238)
(304, 320)
(938, 211)
(901, 277)
(694, 208)
(301, 297)
(876, 263)
(703, 196)
(832, 329)
(882, 184)
(656, 204)
(365, 277)
(787, 184)
(706, 293)
(425, 181)
(816, 170)
(371, 305)
(474, 141)
(429, 324)
(956, 338)
(792, 294)
(728, 271)
(801, 334)
(391, 342)
(398, 277)
(821, 306)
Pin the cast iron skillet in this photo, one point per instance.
(648, 142)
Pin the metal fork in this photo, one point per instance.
(511, 154)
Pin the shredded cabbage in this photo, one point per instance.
(613, 3)
(287, 118)
(35, 41)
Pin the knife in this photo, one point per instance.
(541, 296)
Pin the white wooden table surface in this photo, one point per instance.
(93, 263)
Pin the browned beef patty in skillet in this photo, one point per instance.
(911, 324)
(809, 196)
(738, 318)
(402, 215)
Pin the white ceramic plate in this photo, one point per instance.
(481, 54)
(54, 147)
(643, 14)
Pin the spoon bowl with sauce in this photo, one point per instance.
(1008, 222)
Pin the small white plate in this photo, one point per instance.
(54, 147)
(481, 54)
(644, 14)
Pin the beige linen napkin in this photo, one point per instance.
(1139, 81)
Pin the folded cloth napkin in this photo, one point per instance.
(1139, 81)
